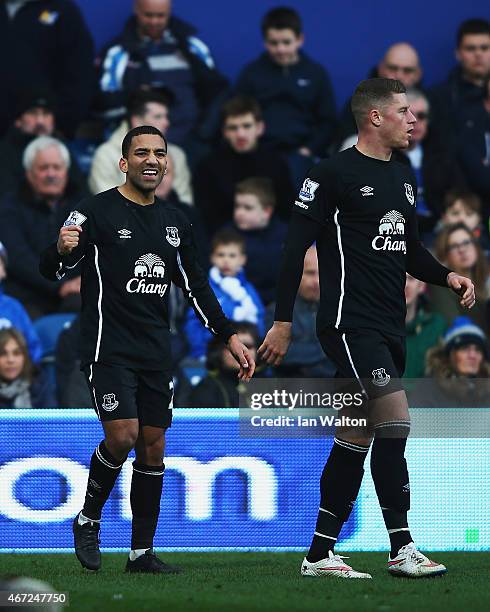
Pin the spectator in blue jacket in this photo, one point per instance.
(238, 298)
(294, 92)
(13, 314)
(157, 50)
(264, 233)
(46, 43)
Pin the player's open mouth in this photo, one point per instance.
(150, 172)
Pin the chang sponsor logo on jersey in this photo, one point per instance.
(307, 192)
(148, 270)
(391, 233)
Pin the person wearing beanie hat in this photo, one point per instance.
(34, 116)
(462, 333)
(13, 314)
(459, 368)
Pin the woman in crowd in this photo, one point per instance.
(22, 384)
(15, 370)
(459, 367)
(458, 249)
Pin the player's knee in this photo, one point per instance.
(392, 429)
(123, 441)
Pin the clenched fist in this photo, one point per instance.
(68, 239)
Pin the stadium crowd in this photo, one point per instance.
(237, 154)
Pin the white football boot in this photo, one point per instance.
(411, 563)
(331, 566)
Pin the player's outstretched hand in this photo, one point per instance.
(276, 343)
(242, 356)
(463, 287)
(68, 239)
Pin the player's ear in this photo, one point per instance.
(123, 165)
(375, 117)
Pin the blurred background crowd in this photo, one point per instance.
(237, 154)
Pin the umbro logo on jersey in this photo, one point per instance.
(124, 233)
(301, 205)
(367, 191)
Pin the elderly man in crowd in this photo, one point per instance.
(30, 218)
(34, 116)
(400, 61)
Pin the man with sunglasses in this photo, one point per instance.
(435, 169)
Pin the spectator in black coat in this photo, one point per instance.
(71, 386)
(158, 50)
(473, 147)
(464, 86)
(219, 389)
(34, 116)
(46, 43)
(294, 92)
(30, 219)
(241, 156)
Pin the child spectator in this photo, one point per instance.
(294, 91)
(241, 156)
(13, 314)
(424, 328)
(219, 389)
(264, 234)
(458, 249)
(15, 370)
(237, 297)
(462, 207)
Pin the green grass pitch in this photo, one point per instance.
(257, 581)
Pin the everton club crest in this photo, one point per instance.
(173, 236)
(380, 377)
(409, 193)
